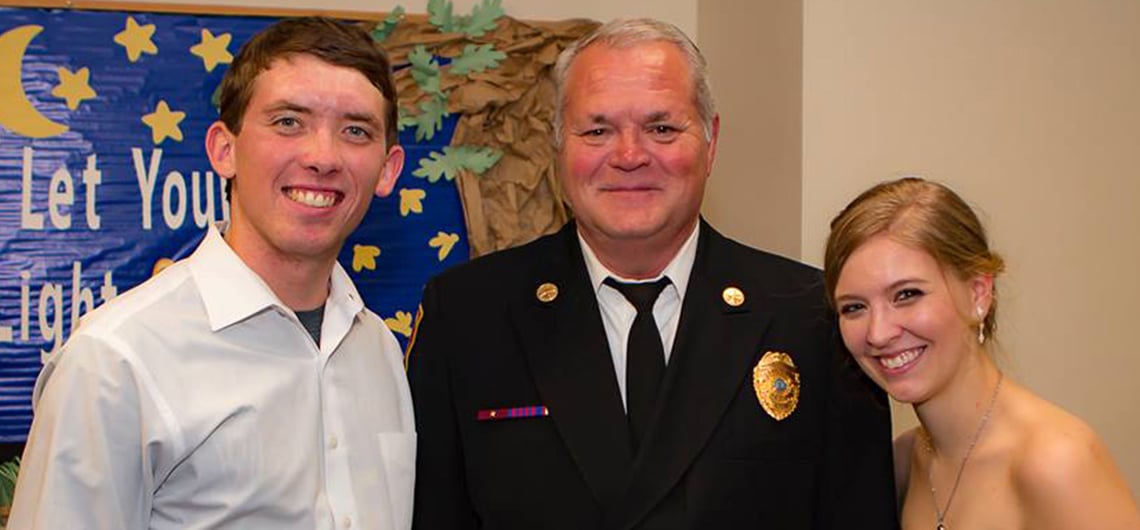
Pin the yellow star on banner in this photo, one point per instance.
(213, 50)
(136, 39)
(401, 324)
(160, 265)
(443, 242)
(164, 123)
(74, 87)
(364, 257)
(410, 201)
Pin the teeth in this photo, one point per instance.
(312, 198)
(900, 360)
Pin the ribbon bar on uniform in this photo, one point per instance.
(512, 413)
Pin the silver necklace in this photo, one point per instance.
(941, 514)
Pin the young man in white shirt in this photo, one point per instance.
(246, 386)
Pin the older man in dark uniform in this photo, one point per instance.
(637, 370)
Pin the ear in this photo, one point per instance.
(393, 164)
(982, 292)
(220, 150)
(713, 135)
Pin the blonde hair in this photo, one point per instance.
(925, 215)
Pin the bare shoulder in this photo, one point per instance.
(1064, 474)
(904, 452)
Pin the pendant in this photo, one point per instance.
(941, 527)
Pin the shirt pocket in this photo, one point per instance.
(398, 451)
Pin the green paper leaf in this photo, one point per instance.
(440, 15)
(404, 120)
(484, 17)
(216, 98)
(434, 166)
(475, 159)
(476, 59)
(8, 472)
(430, 118)
(385, 27)
(425, 70)
(453, 159)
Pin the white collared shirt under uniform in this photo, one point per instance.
(618, 313)
(198, 400)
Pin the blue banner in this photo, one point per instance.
(104, 179)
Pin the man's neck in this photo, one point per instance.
(636, 259)
(301, 284)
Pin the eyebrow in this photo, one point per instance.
(366, 117)
(599, 119)
(899, 283)
(287, 105)
(893, 286)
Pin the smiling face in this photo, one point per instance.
(309, 158)
(910, 324)
(634, 156)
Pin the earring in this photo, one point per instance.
(981, 327)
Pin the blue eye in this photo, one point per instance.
(847, 309)
(908, 294)
(355, 130)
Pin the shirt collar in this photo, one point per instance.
(232, 292)
(677, 270)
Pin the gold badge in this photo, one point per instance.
(732, 296)
(777, 384)
(546, 292)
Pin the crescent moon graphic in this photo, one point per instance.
(17, 114)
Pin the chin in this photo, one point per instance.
(906, 393)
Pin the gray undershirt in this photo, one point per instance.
(312, 320)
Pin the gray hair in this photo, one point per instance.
(624, 33)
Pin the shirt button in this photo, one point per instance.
(347, 522)
(333, 442)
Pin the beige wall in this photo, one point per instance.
(754, 195)
(1031, 111)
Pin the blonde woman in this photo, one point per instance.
(911, 276)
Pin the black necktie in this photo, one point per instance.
(645, 355)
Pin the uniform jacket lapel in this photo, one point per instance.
(565, 347)
(715, 345)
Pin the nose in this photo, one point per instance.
(881, 329)
(320, 153)
(629, 153)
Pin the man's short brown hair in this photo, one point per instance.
(332, 41)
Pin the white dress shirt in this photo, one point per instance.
(197, 400)
(618, 313)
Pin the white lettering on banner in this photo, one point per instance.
(61, 208)
(61, 193)
(174, 216)
(25, 303)
(146, 178)
(50, 309)
(28, 220)
(201, 217)
(79, 296)
(174, 196)
(92, 177)
(51, 293)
